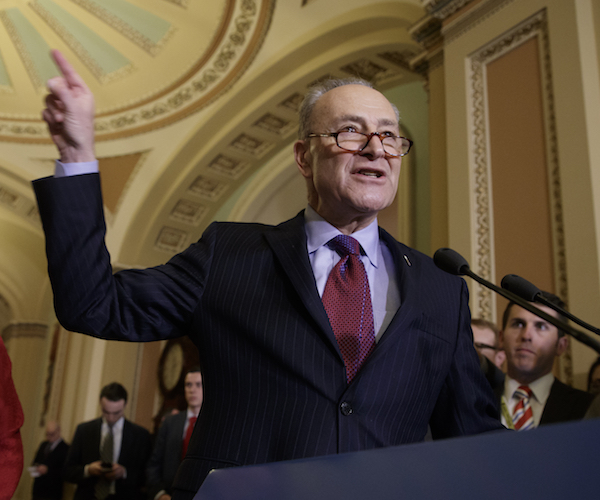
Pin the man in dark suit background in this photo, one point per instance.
(277, 382)
(112, 471)
(173, 439)
(49, 461)
(531, 345)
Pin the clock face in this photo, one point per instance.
(172, 366)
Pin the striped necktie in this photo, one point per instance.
(523, 414)
(347, 300)
(102, 488)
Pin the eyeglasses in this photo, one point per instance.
(479, 345)
(357, 141)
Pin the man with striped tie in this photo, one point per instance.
(531, 395)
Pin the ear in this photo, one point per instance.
(303, 158)
(500, 358)
(562, 345)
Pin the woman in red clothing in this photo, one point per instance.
(11, 420)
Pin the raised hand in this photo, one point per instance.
(69, 113)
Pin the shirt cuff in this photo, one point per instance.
(70, 169)
(160, 494)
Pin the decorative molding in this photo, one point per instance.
(195, 94)
(20, 205)
(245, 143)
(25, 331)
(480, 12)
(36, 79)
(123, 27)
(292, 103)
(75, 44)
(171, 240)
(236, 43)
(207, 188)
(401, 59)
(535, 26)
(441, 9)
(274, 124)
(188, 212)
(228, 166)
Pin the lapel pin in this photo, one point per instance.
(407, 261)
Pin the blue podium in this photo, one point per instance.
(559, 462)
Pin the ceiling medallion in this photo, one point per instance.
(154, 68)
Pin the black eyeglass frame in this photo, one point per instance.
(480, 345)
(369, 137)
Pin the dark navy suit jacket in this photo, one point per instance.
(166, 456)
(50, 485)
(274, 379)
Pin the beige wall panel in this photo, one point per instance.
(519, 173)
(570, 68)
(438, 159)
(147, 385)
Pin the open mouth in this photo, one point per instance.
(370, 173)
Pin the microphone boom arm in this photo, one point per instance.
(577, 334)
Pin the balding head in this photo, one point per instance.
(52, 431)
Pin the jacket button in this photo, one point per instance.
(346, 409)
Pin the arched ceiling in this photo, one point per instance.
(195, 100)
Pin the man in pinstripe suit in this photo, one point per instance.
(248, 295)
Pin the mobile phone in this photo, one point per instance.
(106, 465)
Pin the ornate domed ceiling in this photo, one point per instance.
(135, 55)
(196, 112)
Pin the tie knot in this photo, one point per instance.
(344, 245)
(522, 392)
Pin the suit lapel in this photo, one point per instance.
(406, 274)
(126, 442)
(95, 438)
(288, 242)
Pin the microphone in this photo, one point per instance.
(453, 263)
(520, 286)
(528, 291)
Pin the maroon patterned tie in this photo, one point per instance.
(347, 300)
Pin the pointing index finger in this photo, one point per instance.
(71, 76)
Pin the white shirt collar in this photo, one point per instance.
(118, 426)
(319, 232)
(540, 387)
(190, 413)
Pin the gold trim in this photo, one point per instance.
(231, 50)
(535, 25)
(125, 29)
(14, 35)
(79, 49)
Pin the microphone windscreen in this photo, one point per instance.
(520, 287)
(450, 261)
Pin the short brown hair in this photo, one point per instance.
(550, 297)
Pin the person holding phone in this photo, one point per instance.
(108, 455)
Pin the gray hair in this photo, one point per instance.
(315, 92)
